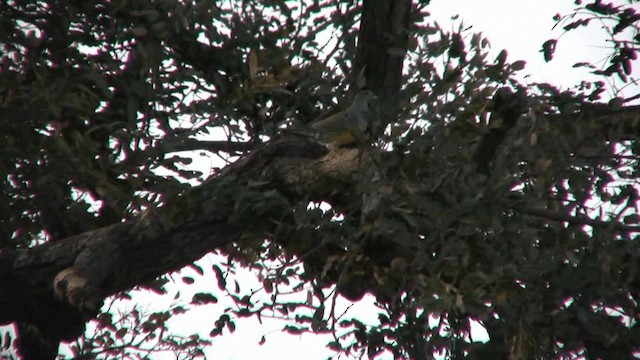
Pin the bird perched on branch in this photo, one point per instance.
(349, 125)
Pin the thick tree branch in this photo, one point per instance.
(507, 108)
(80, 271)
(615, 124)
(382, 44)
(383, 37)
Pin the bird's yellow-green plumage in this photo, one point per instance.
(350, 125)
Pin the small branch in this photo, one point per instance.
(211, 145)
(578, 220)
(635, 97)
(188, 144)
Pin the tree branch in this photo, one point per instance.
(578, 220)
(77, 273)
(232, 147)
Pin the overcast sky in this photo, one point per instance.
(522, 27)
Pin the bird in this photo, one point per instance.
(349, 125)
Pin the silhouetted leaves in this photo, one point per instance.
(548, 49)
(487, 201)
(622, 24)
(203, 298)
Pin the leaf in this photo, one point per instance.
(518, 65)
(548, 49)
(583, 64)
(626, 66)
(631, 219)
(222, 282)
(203, 298)
(600, 8)
(157, 285)
(268, 286)
(293, 330)
(178, 310)
(575, 24)
(501, 58)
(231, 326)
(196, 268)
(625, 22)
(456, 50)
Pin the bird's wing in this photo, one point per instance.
(333, 123)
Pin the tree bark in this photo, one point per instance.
(74, 275)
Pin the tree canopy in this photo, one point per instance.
(477, 199)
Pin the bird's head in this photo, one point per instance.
(365, 100)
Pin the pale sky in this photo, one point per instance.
(521, 27)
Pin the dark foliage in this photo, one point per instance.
(484, 201)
